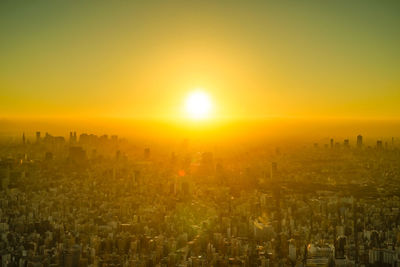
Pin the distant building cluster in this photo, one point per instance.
(103, 201)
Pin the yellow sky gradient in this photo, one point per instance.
(117, 59)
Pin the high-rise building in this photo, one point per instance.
(346, 143)
(359, 141)
(4, 175)
(114, 139)
(332, 142)
(67, 258)
(72, 138)
(38, 137)
(274, 169)
(379, 144)
(77, 154)
(23, 139)
(146, 153)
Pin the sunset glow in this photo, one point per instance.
(199, 133)
(198, 105)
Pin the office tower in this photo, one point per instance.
(340, 247)
(114, 139)
(331, 142)
(67, 258)
(274, 169)
(355, 208)
(292, 250)
(76, 254)
(136, 175)
(23, 139)
(84, 139)
(359, 141)
(77, 154)
(4, 175)
(38, 137)
(72, 138)
(346, 143)
(379, 144)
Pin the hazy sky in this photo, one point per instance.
(255, 59)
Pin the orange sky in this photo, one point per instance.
(116, 59)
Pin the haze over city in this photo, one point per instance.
(199, 133)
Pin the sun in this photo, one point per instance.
(198, 105)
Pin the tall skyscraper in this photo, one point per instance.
(346, 143)
(38, 137)
(331, 142)
(359, 141)
(72, 138)
(379, 144)
(274, 170)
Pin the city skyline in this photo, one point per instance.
(199, 133)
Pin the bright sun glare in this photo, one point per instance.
(198, 105)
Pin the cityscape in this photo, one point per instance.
(88, 200)
(199, 133)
